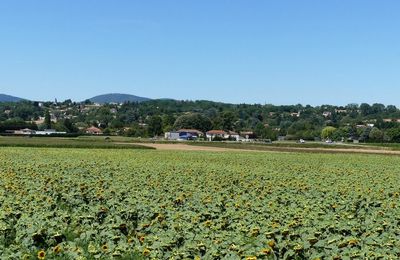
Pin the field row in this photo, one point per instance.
(90, 204)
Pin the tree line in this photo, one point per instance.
(365, 122)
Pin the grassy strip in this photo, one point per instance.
(261, 146)
(244, 145)
(387, 146)
(290, 147)
(54, 142)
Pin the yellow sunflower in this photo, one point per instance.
(251, 258)
(104, 247)
(41, 255)
(57, 249)
(146, 252)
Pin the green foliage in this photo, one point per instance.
(393, 135)
(136, 130)
(16, 124)
(228, 120)
(295, 121)
(155, 126)
(376, 135)
(328, 132)
(69, 126)
(193, 121)
(47, 120)
(263, 132)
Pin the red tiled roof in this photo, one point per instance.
(216, 132)
(93, 130)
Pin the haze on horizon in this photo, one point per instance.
(280, 52)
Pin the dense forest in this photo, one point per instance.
(365, 122)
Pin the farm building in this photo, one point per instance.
(49, 132)
(233, 136)
(183, 134)
(212, 134)
(193, 132)
(25, 131)
(171, 135)
(28, 131)
(248, 136)
(94, 131)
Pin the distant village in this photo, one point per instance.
(202, 120)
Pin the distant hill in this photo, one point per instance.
(117, 98)
(8, 98)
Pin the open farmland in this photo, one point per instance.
(91, 204)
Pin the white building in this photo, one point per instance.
(171, 135)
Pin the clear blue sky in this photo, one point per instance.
(241, 51)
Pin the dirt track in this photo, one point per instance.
(185, 147)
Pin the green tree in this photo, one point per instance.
(168, 122)
(377, 108)
(328, 132)
(193, 121)
(116, 123)
(228, 120)
(393, 134)
(69, 126)
(365, 109)
(391, 109)
(155, 126)
(364, 133)
(376, 135)
(135, 130)
(265, 132)
(47, 120)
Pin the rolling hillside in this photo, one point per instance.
(8, 98)
(117, 98)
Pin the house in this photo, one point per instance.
(248, 136)
(295, 114)
(28, 131)
(25, 131)
(327, 114)
(387, 120)
(341, 111)
(233, 136)
(49, 132)
(94, 131)
(212, 134)
(183, 134)
(39, 121)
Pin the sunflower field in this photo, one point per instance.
(147, 204)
